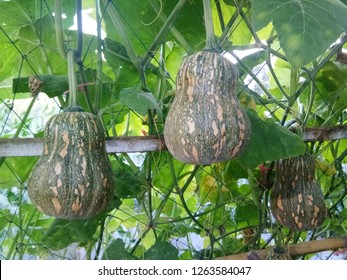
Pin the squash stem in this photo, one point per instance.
(210, 37)
(72, 78)
(98, 85)
(78, 55)
(59, 27)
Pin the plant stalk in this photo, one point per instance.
(98, 82)
(78, 55)
(72, 78)
(59, 27)
(210, 37)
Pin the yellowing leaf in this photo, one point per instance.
(325, 167)
(211, 191)
(247, 101)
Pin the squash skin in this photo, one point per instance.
(73, 178)
(206, 123)
(297, 201)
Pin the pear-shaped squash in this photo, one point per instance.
(73, 178)
(206, 123)
(297, 200)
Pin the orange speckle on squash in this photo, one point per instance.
(76, 206)
(56, 205)
(279, 203)
(195, 154)
(57, 168)
(66, 140)
(84, 166)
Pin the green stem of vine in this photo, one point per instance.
(210, 37)
(98, 82)
(72, 78)
(78, 56)
(59, 35)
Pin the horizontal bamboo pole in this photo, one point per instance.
(295, 250)
(319, 134)
(20, 147)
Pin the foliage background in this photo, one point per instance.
(292, 70)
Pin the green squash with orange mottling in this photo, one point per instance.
(206, 123)
(73, 178)
(297, 200)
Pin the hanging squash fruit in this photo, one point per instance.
(297, 200)
(73, 177)
(206, 123)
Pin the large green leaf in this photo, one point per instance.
(246, 213)
(241, 34)
(162, 173)
(21, 167)
(139, 101)
(63, 233)
(331, 94)
(269, 141)
(128, 185)
(8, 177)
(28, 33)
(5, 215)
(116, 251)
(162, 251)
(144, 23)
(305, 28)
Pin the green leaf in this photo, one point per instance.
(116, 251)
(246, 213)
(8, 177)
(5, 215)
(269, 141)
(128, 185)
(331, 96)
(162, 174)
(63, 232)
(22, 167)
(162, 251)
(305, 28)
(234, 170)
(241, 34)
(139, 101)
(142, 23)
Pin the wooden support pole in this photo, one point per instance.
(319, 134)
(295, 250)
(20, 147)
